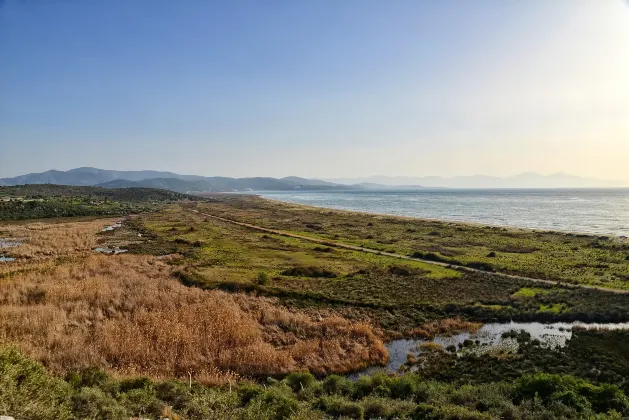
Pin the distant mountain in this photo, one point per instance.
(194, 183)
(525, 180)
(167, 181)
(311, 182)
(90, 176)
(373, 186)
(221, 184)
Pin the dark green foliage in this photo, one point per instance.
(604, 350)
(93, 403)
(340, 407)
(45, 201)
(299, 381)
(262, 279)
(314, 272)
(572, 392)
(27, 391)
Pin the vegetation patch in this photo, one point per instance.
(313, 272)
(529, 292)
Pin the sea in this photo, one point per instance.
(591, 211)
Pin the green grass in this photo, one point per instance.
(530, 292)
(554, 308)
(593, 260)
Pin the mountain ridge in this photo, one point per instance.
(88, 176)
(523, 180)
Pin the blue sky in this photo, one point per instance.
(323, 88)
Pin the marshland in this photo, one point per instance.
(204, 318)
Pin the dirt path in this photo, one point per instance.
(404, 257)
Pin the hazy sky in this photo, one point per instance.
(328, 88)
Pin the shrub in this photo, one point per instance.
(399, 271)
(337, 385)
(339, 407)
(573, 392)
(314, 272)
(175, 393)
(479, 265)
(279, 403)
(143, 401)
(263, 279)
(93, 403)
(298, 381)
(404, 387)
(27, 391)
(91, 377)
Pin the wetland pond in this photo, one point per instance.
(9, 243)
(490, 337)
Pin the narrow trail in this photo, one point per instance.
(405, 257)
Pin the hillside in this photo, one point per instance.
(44, 201)
(221, 184)
(167, 180)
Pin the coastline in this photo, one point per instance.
(461, 222)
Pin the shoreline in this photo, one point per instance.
(620, 238)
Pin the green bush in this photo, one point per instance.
(298, 381)
(404, 387)
(572, 392)
(278, 402)
(93, 403)
(143, 401)
(337, 406)
(28, 392)
(337, 385)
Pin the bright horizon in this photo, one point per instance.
(316, 89)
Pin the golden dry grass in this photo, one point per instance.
(446, 327)
(128, 314)
(45, 240)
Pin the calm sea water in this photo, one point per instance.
(596, 211)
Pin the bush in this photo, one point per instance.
(314, 272)
(397, 270)
(28, 392)
(91, 377)
(339, 407)
(93, 403)
(572, 392)
(337, 385)
(277, 402)
(299, 381)
(262, 279)
(404, 387)
(143, 401)
(175, 393)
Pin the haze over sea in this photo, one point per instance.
(594, 211)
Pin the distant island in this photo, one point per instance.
(87, 176)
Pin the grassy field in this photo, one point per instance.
(206, 319)
(581, 259)
(394, 295)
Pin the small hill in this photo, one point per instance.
(44, 191)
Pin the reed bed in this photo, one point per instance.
(128, 314)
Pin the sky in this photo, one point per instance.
(316, 88)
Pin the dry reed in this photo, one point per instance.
(127, 314)
(445, 327)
